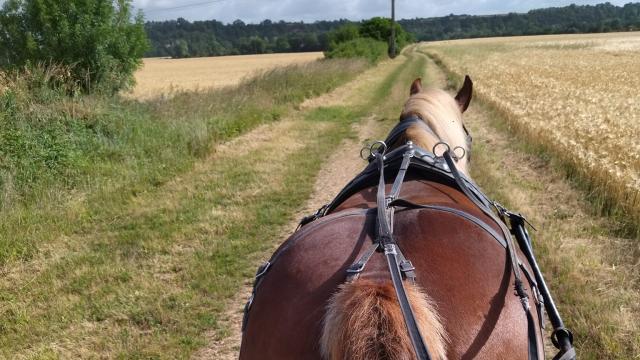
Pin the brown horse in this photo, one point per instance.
(463, 298)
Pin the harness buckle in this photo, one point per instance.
(390, 249)
(356, 268)
(262, 270)
(313, 217)
(406, 266)
(408, 270)
(513, 217)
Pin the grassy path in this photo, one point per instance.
(391, 80)
(166, 274)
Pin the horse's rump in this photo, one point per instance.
(461, 267)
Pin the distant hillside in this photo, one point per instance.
(557, 20)
(181, 38)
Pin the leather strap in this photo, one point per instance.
(406, 161)
(484, 226)
(511, 250)
(417, 340)
(385, 239)
(353, 272)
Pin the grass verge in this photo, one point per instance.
(67, 161)
(142, 270)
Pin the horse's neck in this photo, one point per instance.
(428, 140)
(421, 137)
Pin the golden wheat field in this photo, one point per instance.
(160, 76)
(578, 94)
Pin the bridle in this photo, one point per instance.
(442, 167)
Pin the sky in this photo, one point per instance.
(254, 11)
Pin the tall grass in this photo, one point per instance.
(59, 152)
(610, 193)
(594, 275)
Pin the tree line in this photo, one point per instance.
(570, 19)
(182, 38)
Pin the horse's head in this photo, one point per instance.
(442, 113)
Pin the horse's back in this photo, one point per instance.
(285, 319)
(459, 263)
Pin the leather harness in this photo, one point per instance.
(442, 169)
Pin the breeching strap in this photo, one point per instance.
(518, 283)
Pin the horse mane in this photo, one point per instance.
(440, 111)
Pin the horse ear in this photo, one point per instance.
(464, 95)
(416, 87)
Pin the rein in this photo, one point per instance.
(385, 240)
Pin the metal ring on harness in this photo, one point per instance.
(454, 156)
(448, 150)
(435, 147)
(464, 152)
(373, 150)
(380, 145)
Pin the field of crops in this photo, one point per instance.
(161, 76)
(574, 94)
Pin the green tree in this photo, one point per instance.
(180, 49)
(344, 33)
(257, 45)
(101, 41)
(379, 29)
(282, 45)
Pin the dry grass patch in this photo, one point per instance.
(160, 76)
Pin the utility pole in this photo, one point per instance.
(392, 41)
